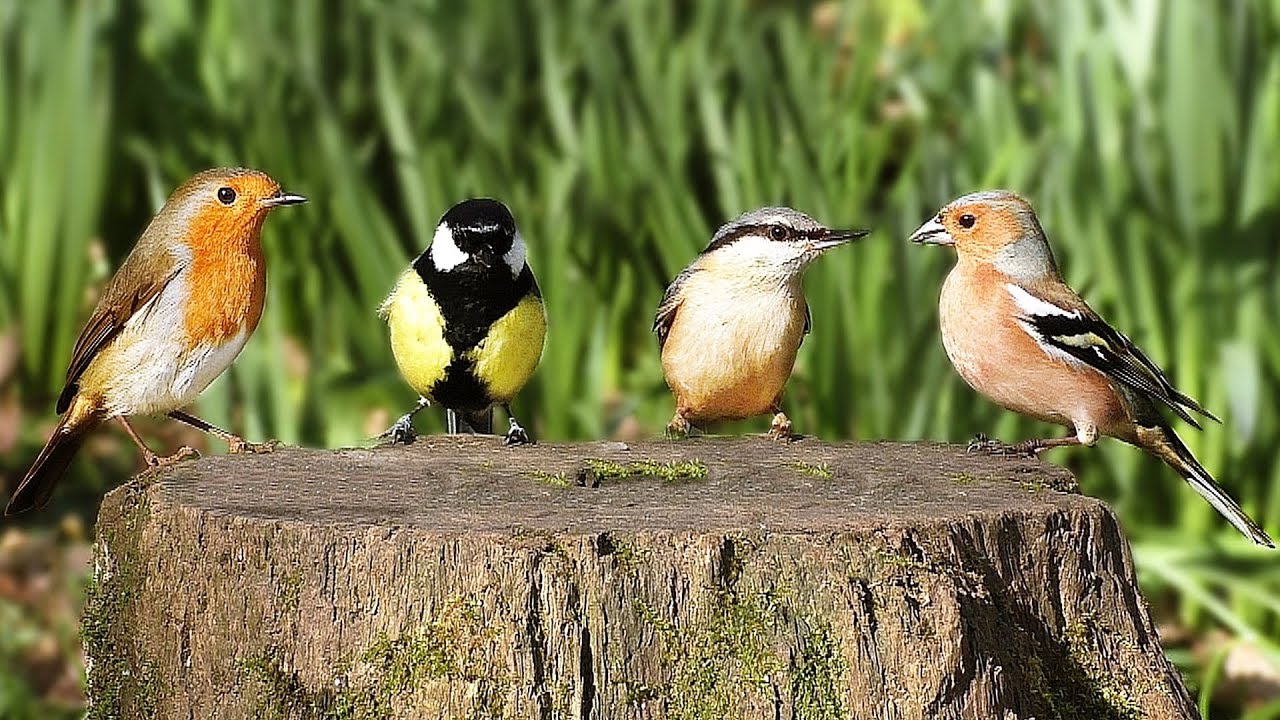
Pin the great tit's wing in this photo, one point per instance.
(1067, 328)
(130, 292)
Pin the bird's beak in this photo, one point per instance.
(837, 237)
(933, 233)
(282, 198)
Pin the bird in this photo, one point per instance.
(172, 318)
(467, 321)
(1019, 335)
(730, 324)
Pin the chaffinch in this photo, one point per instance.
(1019, 335)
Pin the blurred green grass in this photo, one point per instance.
(622, 134)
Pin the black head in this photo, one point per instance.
(480, 231)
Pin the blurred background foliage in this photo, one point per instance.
(1145, 132)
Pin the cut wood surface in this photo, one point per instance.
(707, 578)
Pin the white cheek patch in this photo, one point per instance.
(445, 254)
(516, 256)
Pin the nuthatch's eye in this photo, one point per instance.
(226, 195)
(779, 233)
(967, 221)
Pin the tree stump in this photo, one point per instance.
(708, 578)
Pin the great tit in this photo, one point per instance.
(467, 321)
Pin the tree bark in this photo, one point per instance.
(709, 578)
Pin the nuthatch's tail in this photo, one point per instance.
(1164, 444)
(51, 464)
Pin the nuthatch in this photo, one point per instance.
(731, 323)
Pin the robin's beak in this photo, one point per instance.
(282, 198)
(933, 233)
(833, 238)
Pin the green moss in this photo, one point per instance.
(816, 692)
(671, 472)
(119, 683)
(559, 479)
(388, 673)
(962, 478)
(290, 589)
(821, 471)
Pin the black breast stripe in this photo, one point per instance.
(472, 298)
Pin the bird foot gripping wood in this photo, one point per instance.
(679, 427)
(983, 444)
(159, 461)
(780, 429)
(401, 431)
(516, 434)
(237, 445)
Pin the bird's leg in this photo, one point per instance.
(515, 434)
(780, 428)
(235, 443)
(1029, 448)
(679, 426)
(401, 431)
(151, 458)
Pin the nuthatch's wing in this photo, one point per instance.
(670, 304)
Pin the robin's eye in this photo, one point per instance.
(779, 233)
(226, 195)
(967, 221)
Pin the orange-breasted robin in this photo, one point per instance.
(173, 317)
(730, 324)
(1019, 335)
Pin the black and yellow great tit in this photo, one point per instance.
(467, 320)
(731, 323)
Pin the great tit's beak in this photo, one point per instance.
(282, 198)
(837, 237)
(483, 256)
(933, 233)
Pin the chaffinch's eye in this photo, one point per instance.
(779, 233)
(226, 195)
(967, 221)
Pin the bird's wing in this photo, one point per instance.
(138, 281)
(1065, 327)
(670, 305)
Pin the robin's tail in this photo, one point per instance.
(1163, 443)
(51, 464)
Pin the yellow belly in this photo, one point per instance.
(502, 362)
(506, 358)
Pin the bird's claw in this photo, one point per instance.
(182, 453)
(401, 431)
(678, 428)
(983, 444)
(780, 429)
(516, 436)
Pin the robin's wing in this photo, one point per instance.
(1066, 327)
(670, 305)
(134, 285)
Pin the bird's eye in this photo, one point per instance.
(779, 233)
(226, 195)
(967, 221)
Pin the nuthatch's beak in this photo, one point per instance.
(282, 198)
(836, 237)
(933, 233)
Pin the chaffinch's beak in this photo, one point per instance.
(282, 198)
(836, 237)
(933, 233)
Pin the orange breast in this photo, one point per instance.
(992, 352)
(227, 280)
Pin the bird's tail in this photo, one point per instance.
(479, 422)
(51, 464)
(1168, 447)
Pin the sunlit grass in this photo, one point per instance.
(621, 134)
